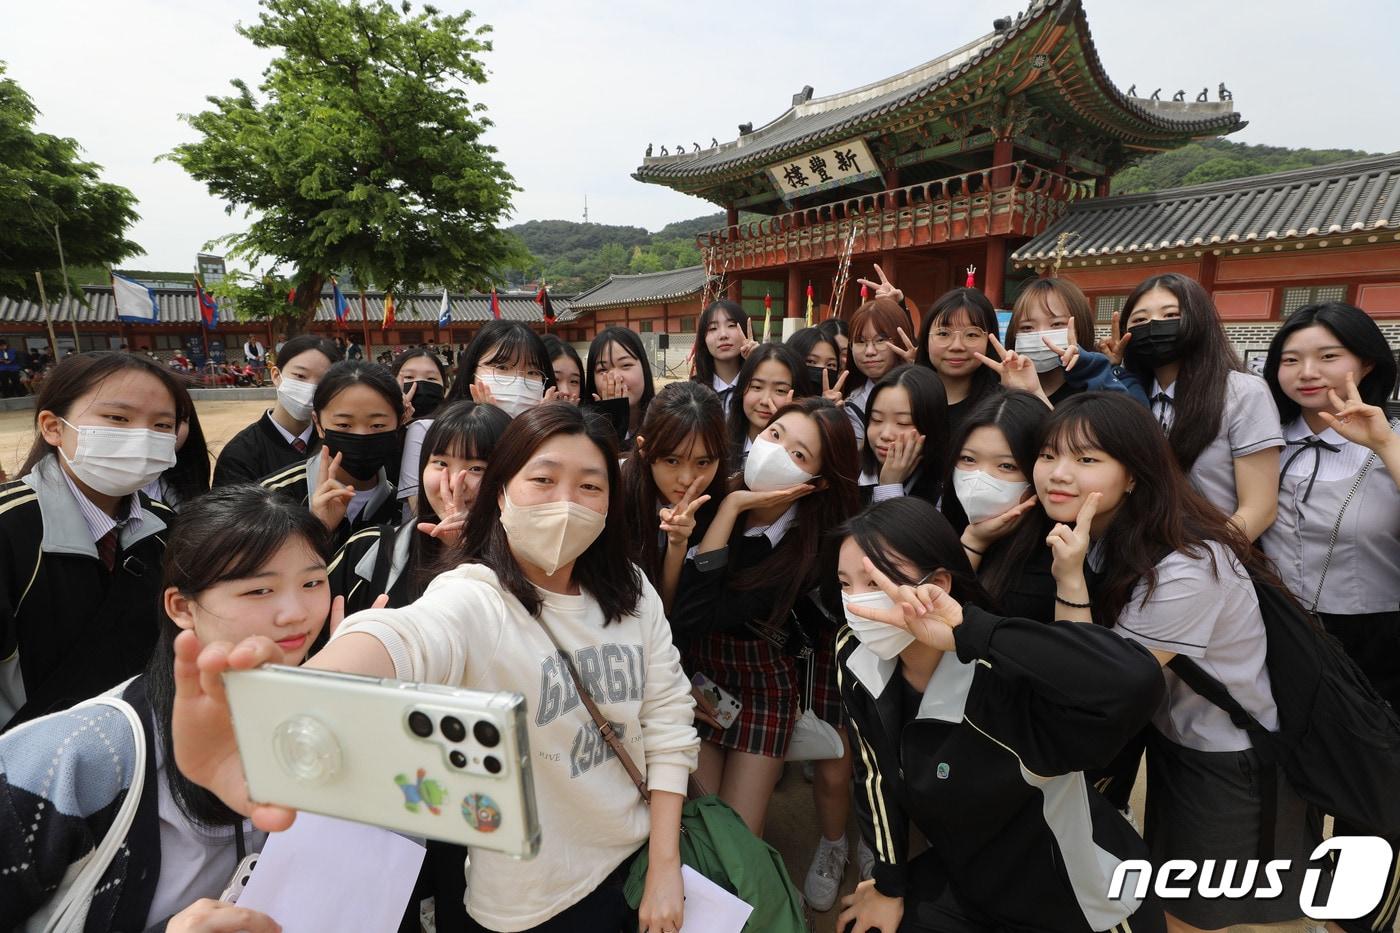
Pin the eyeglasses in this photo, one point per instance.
(510, 376)
(860, 345)
(944, 335)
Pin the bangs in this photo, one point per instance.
(1074, 435)
(254, 557)
(513, 349)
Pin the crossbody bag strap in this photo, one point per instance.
(605, 727)
(70, 913)
(1337, 525)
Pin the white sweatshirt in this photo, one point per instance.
(468, 630)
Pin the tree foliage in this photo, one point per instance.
(361, 149)
(1218, 160)
(45, 183)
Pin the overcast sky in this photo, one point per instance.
(578, 89)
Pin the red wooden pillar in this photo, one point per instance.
(731, 216)
(994, 284)
(1209, 261)
(734, 291)
(1101, 185)
(1002, 153)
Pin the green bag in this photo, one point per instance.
(716, 842)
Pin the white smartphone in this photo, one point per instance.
(423, 759)
(726, 706)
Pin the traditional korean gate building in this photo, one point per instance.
(983, 156)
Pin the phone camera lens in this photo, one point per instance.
(452, 729)
(486, 733)
(458, 759)
(492, 764)
(420, 724)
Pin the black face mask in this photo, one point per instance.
(426, 398)
(363, 455)
(1154, 344)
(815, 373)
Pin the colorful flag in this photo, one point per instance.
(208, 307)
(495, 304)
(445, 311)
(542, 299)
(135, 302)
(388, 312)
(767, 314)
(342, 306)
(811, 295)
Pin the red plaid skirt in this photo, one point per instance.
(826, 693)
(760, 677)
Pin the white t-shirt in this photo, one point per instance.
(467, 630)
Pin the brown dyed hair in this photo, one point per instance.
(889, 318)
(1037, 294)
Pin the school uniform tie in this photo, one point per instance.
(1317, 445)
(107, 549)
(299, 445)
(1162, 404)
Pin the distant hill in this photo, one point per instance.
(574, 256)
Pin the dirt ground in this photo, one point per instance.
(792, 829)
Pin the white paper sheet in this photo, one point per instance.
(329, 875)
(709, 908)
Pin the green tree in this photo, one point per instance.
(361, 150)
(49, 194)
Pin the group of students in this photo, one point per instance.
(971, 558)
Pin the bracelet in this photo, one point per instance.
(973, 550)
(1064, 602)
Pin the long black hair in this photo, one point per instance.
(704, 361)
(250, 525)
(1163, 514)
(928, 404)
(972, 304)
(1354, 329)
(904, 529)
(1020, 417)
(189, 477)
(680, 411)
(803, 341)
(461, 429)
(801, 388)
(1207, 359)
(616, 584)
(498, 343)
(77, 375)
(632, 344)
(555, 348)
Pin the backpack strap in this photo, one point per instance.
(69, 910)
(1213, 691)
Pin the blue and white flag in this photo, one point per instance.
(445, 312)
(135, 302)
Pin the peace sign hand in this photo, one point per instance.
(1358, 422)
(1068, 357)
(332, 497)
(749, 344)
(408, 404)
(1016, 371)
(884, 288)
(832, 393)
(679, 522)
(908, 353)
(1113, 346)
(925, 611)
(452, 489)
(1070, 545)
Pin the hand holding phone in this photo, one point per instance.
(723, 706)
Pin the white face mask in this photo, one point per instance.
(983, 496)
(551, 534)
(513, 394)
(119, 461)
(769, 467)
(295, 396)
(886, 641)
(1031, 346)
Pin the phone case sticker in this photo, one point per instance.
(481, 812)
(421, 792)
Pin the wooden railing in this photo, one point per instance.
(1011, 199)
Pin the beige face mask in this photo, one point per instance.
(551, 534)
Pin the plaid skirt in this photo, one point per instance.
(762, 678)
(826, 693)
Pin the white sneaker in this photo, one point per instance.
(824, 877)
(865, 861)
